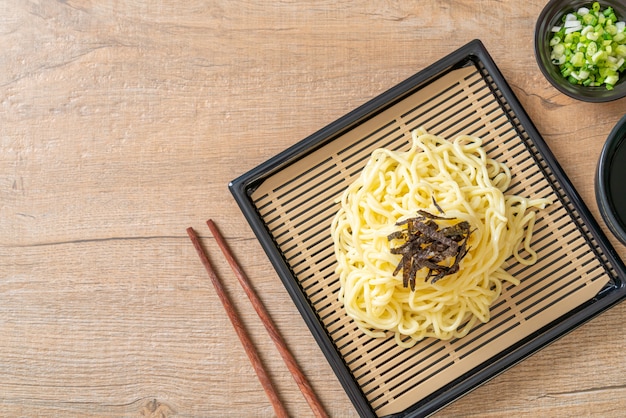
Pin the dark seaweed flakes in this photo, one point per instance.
(424, 243)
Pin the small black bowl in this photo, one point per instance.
(610, 181)
(548, 18)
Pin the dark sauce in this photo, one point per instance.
(617, 183)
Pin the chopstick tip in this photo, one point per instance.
(213, 228)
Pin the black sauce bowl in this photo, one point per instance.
(610, 181)
(551, 16)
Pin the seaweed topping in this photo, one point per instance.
(425, 244)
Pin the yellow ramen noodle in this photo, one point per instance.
(458, 178)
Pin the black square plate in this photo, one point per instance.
(291, 199)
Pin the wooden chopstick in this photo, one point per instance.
(290, 361)
(271, 392)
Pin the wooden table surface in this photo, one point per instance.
(121, 124)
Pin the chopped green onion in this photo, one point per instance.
(589, 46)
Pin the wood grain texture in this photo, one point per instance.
(121, 124)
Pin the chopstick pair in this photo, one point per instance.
(289, 360)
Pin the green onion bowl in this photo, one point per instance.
(580, 47)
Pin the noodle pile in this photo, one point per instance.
(439, 176)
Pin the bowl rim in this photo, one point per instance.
(615, 140)
(548, 15)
